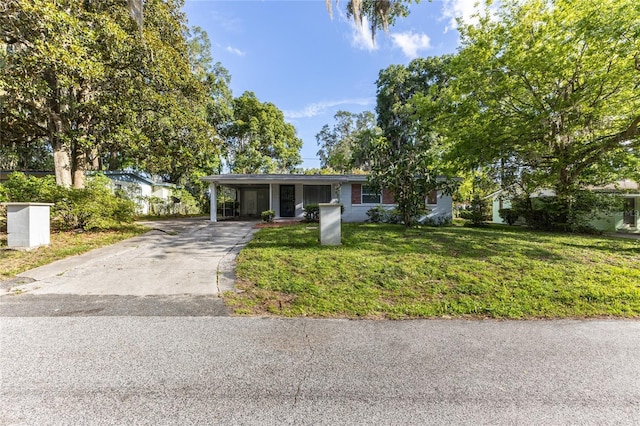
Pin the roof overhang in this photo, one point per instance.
(255, 179)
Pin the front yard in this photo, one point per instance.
(385, 271)
(63, 244)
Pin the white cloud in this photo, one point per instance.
(411, 43)
(319, 108)
(235, 51)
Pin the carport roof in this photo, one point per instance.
(230, 179)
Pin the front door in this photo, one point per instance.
(629, 212)
(287, 201)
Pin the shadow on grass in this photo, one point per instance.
(395, 239)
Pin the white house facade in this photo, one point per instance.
(287, 196)
(140, 188)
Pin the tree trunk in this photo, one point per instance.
(55, 125)
(61, 161)
(79, 166)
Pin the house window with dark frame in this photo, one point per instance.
(370, 195)
(432, 197)
(315, 194)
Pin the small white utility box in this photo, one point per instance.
(330, 224)
(27, 224)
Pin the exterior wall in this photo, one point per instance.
(161, 192)
(354, 210)
(444, 208)
(506, 204)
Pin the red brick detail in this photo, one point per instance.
(356, 193)
(387, 197)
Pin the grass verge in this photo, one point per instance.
(385, 271)
(63, 244)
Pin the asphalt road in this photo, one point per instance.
(228, 370)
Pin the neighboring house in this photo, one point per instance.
(627, 220)
(287, 195)
(140, 188)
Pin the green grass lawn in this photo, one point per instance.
(385, 271)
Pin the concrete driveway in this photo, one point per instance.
(178, 257)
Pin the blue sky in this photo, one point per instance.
(291, 53)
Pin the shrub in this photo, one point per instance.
(510, 216)
(312, 213)
(376, 214)
(439, 220)
(268, 216)
(478, 211)
(566, 214)
(379, 214)
(94, 207)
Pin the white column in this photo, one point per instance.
(214, 202)
(270, 196)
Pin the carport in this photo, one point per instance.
(285, 194)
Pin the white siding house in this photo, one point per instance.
(287, 195)
(140, 188)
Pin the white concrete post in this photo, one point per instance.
(214, 202)
(28, 224)
(330, 224)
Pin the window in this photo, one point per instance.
(370, 196)
(432, 197)
(314, 194)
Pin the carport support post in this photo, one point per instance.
(214, 202)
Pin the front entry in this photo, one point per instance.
(287, 201)
(629, 217)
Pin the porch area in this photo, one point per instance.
(247, 196)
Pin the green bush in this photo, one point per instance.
(312, 213)
(181, 202)
(566, 214)
(478, 211)
(510, 216)
(379, 214)
(95, 207)
(268, 216)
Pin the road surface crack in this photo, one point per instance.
(307, 364)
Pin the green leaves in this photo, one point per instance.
(258, 140)
(551, 87)
(342, 147)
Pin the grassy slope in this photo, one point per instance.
(387, 271)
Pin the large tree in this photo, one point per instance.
(549, 89)
(402, 149)
(404, 153)
(258, 140)
(341, 144)
(100, 89)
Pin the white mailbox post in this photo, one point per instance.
(27, 224)
(330, 224)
